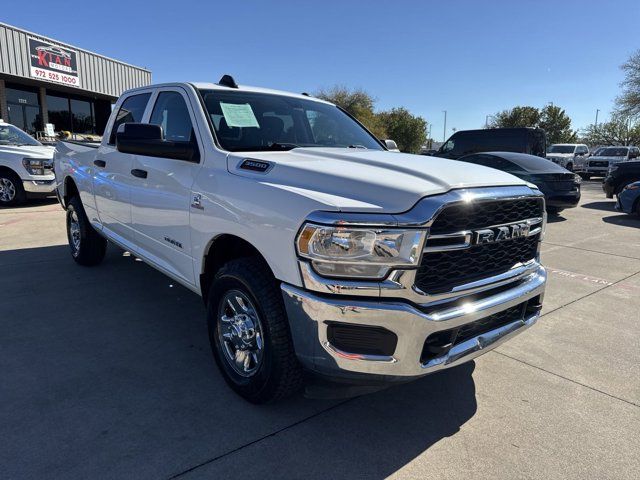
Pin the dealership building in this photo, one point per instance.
(43, 81)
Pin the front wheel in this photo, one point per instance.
(585, 176)
(87, 246)
(11, 190)
(249, 332)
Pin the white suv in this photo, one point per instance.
(26, 166)
(571, 156)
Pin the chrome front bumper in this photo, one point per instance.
(39, 186)
(310, 313)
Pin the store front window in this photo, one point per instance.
(71, 114)
(24, 109)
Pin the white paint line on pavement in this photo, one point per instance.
(587, 278)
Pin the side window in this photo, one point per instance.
(172, 114)
(131, 111)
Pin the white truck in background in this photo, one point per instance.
(26, 167)
(313, 247)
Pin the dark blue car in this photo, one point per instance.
(629, 199)
(561, 187)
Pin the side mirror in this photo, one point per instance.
(148, 140)
(391, 145)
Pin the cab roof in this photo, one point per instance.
(241, 88)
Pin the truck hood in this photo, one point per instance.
(35, 151)
(560, 155)
(366, 180)
(608, 159)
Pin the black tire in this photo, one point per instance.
(88, 248)
(570, 167)
(585, 176)
(12, 192)
(278, 373)
(554, 210)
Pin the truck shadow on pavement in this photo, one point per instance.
(107, 373)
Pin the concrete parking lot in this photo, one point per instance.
(107, 373)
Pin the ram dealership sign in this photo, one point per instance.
(53, 63)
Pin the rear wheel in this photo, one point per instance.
(87, 246)
(11, 190)
(249, 332)
(585, 176)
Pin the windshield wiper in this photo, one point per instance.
(357, 146)
(282, 146)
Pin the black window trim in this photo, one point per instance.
(114, 114)
(151, 105)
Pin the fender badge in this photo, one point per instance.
(255, 165)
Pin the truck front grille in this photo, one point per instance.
(470, 216)
(440, 271)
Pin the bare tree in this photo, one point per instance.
(628, 103)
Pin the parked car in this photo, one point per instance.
(629, 199)
(619, 176)
(523, 140)
(561, 187)
(598, 165)
(357, 264)
(430, 153)
(25, 167)
(568, 155)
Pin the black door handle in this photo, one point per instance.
(139, 173)
(100, 163)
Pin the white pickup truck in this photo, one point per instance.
(26, 166)
(314, 248)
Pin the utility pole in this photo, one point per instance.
(444, 133)
(597, 111)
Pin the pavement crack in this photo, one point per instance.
(258, 440)
(567, 379)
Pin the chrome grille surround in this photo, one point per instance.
(401, 283)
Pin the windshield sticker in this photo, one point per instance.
(239, 115)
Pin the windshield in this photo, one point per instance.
(248, 121)
(10, 135)
(561, 149)
(613, 152)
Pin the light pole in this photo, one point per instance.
(597, 111)
(444, 133)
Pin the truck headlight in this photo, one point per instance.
(35, 166)
(358, 252)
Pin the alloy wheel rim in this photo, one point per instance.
(74, 232)
(7, 190)
(240, 333)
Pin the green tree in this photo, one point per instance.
(516, 117)
(628, 103)
(557, 124)
(620, 130)
(358, 103)
(554, 120)
(409, 131)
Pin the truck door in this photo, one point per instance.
(161, 194)
(112, 173)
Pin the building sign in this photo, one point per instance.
(53, 63)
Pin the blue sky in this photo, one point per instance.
(471, 58)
